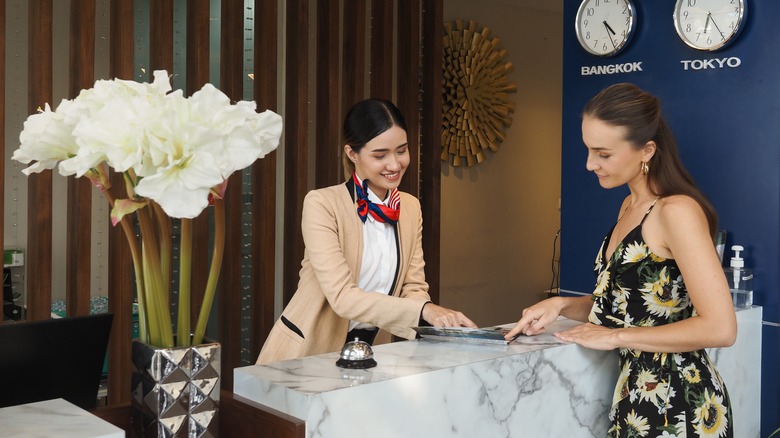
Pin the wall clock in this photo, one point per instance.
(604, 27)
(476, 107)
(709, 24)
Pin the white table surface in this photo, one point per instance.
(54, 418)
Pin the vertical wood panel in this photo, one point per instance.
(79, 208)
(197, 76)
(197, 44)
(382, 49)
(120, 263)
(353, 58)
(161, 58)
(296, 138)
(328, 169)
(39, 195)
(408, 86)
(2, 124)
(264, 181)
(430, 137)
(161, 35)
(231, 69)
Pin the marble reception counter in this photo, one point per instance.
(54, 418)
(536, 386)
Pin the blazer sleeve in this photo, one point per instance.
(324, 238)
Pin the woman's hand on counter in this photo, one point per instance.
(536, 318)
(591, 336)
(443, 317)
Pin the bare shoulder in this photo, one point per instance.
(676, 220)
(679, 207)
(683, 224)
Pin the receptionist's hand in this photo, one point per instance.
(443, 317)
(536, 318)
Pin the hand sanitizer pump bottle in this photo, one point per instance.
(740, 279)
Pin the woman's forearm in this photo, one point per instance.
(576, 308)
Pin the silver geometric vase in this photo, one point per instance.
(175, 391)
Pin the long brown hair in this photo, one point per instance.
(640, 113)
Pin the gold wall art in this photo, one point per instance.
(476, 108)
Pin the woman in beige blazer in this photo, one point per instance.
(362, 271)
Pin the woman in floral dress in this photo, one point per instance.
(661, 296)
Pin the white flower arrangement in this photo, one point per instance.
(175, 154)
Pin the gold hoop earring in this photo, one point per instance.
(645, 167)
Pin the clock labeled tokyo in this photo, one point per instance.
(709, 24)
(604, 27)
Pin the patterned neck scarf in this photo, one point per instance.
(383, 213)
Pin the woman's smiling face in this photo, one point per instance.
(382, 161)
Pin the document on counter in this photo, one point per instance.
(490, 335)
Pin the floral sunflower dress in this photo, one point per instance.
(657, 394)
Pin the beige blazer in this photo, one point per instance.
(317, 318)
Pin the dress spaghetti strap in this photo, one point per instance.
(649, 209)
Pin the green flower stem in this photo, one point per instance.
(163, 230)
(161, 333)
(185, 282)
(152, 311)
(143, 327)
(216, 265)
(135, 254)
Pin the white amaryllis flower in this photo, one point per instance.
(184, 164)
(45, 139)
(176, 148)
(116, 131)
(248, 135)
(197, 144)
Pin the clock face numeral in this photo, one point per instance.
(708, 24)
(604, 27)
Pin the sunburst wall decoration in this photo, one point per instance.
(476, 110)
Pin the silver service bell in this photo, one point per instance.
(356, 354)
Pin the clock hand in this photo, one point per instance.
(707, 21)
(717, 28)
(609, 30)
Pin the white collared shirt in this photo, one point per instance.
(380, 257)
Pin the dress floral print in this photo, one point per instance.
(657, 394)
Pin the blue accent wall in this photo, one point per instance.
(727, 124)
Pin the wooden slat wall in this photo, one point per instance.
(231, 72)
(2, 121)
(79, 216)
(329, 169)
(295, 138)
(161, 35)
(264, 181)
(120, 262)
(197, 65)
(352, 62)
(382, 49)
(408, 85)
(39, 191)
(353, 55)
(430, 138)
